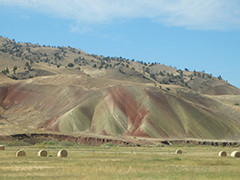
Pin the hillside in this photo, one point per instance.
(32, 60)
(70, 91)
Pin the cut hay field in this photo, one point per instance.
(88, 162)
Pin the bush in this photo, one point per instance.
(120, 70)
(5, 71)
(13, 77)
(163, 82)
(70, 65)
(152, 76)
(14, 69)
(147, 70)
(161, 73)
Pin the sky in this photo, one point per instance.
(195, 34)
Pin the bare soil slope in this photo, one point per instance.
(78, 103)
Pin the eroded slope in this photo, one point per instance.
(77, 103)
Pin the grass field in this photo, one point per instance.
(88, 162)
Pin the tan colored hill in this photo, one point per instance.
(67, 90)
(32, 60)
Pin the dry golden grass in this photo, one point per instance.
(84, 162)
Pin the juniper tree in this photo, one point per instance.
(14, 69)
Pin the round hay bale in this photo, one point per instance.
(222, 154)
(20, 153)
(42, 153)
(62, 153)
(2, 147)
(178, 151)
(235, 154)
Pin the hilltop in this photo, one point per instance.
(30, 60)
(67, 90)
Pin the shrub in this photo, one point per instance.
(120, 70)
(163, 82)
(14, 69)
(106, 66)
(147, 70)
(152, 76)
(161, 73)
(28, 66)
(70, 65)
(194, 73)
(5, 71)
(13, 77)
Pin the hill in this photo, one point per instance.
(30, 60)
(67, 90)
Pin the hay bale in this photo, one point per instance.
(222, 154)
(20, 153)
(2, 147)
(62, 153)
(178, 151)
(42, 153)
(235, 154)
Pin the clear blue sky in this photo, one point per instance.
(194, 34)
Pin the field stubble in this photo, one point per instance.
(87, 162)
